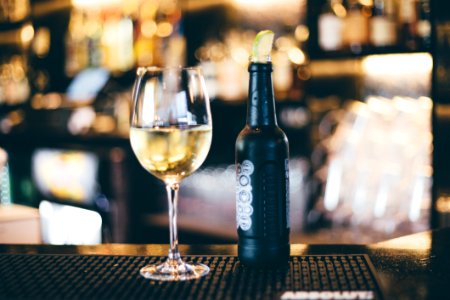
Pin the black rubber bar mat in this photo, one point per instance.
(40, 276)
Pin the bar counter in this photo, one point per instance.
(411, 267)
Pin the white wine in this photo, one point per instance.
(171, 148)
(171, 153)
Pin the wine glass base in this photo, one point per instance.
(174, 270)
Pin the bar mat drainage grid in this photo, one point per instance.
(42, 276)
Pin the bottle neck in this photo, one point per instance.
(261, 105)
(378, 8)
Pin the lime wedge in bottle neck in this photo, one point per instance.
(262, 46)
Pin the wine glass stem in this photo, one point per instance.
(172, 196)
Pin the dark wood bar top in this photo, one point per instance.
(411, 267)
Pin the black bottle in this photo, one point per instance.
(262, 174)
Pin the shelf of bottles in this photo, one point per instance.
(352, 28)
(118, 35)
(16, 34)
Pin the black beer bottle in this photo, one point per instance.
(262, 175)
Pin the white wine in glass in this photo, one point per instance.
(171, 132)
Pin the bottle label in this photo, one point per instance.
(244, 198)
(288, 203)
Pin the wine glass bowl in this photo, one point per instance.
(171, 153)
(170, 134)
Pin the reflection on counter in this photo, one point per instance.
(69, 225)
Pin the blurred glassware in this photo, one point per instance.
(378, 174)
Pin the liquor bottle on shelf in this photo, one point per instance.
(262, 175)
(76, 44)
(423, 24)
(330, 25)
(356, 26)
(408, 24)
(102, 38)
(383, 31)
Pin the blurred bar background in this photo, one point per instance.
(362, 91)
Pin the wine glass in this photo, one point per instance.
(171, 132)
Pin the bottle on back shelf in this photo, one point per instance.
(262, 174)
(383, 28)
(356, 26)
(423, 23)
(330, 25)
(408, 24)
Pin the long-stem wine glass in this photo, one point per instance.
(171, 132)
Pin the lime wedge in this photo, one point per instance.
(262, 46)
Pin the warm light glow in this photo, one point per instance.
(148, 10)
(397, 64)
(168, 7)
(284, 43)
(254, 2)
(366, 2)
(164, 29)
(265, 3)
(240, 55)
(95, 3)
(443, 204)
(41, 43)
(148, 28)
(339, 10)
(27, 34)
(301, 33)
(296, 56)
